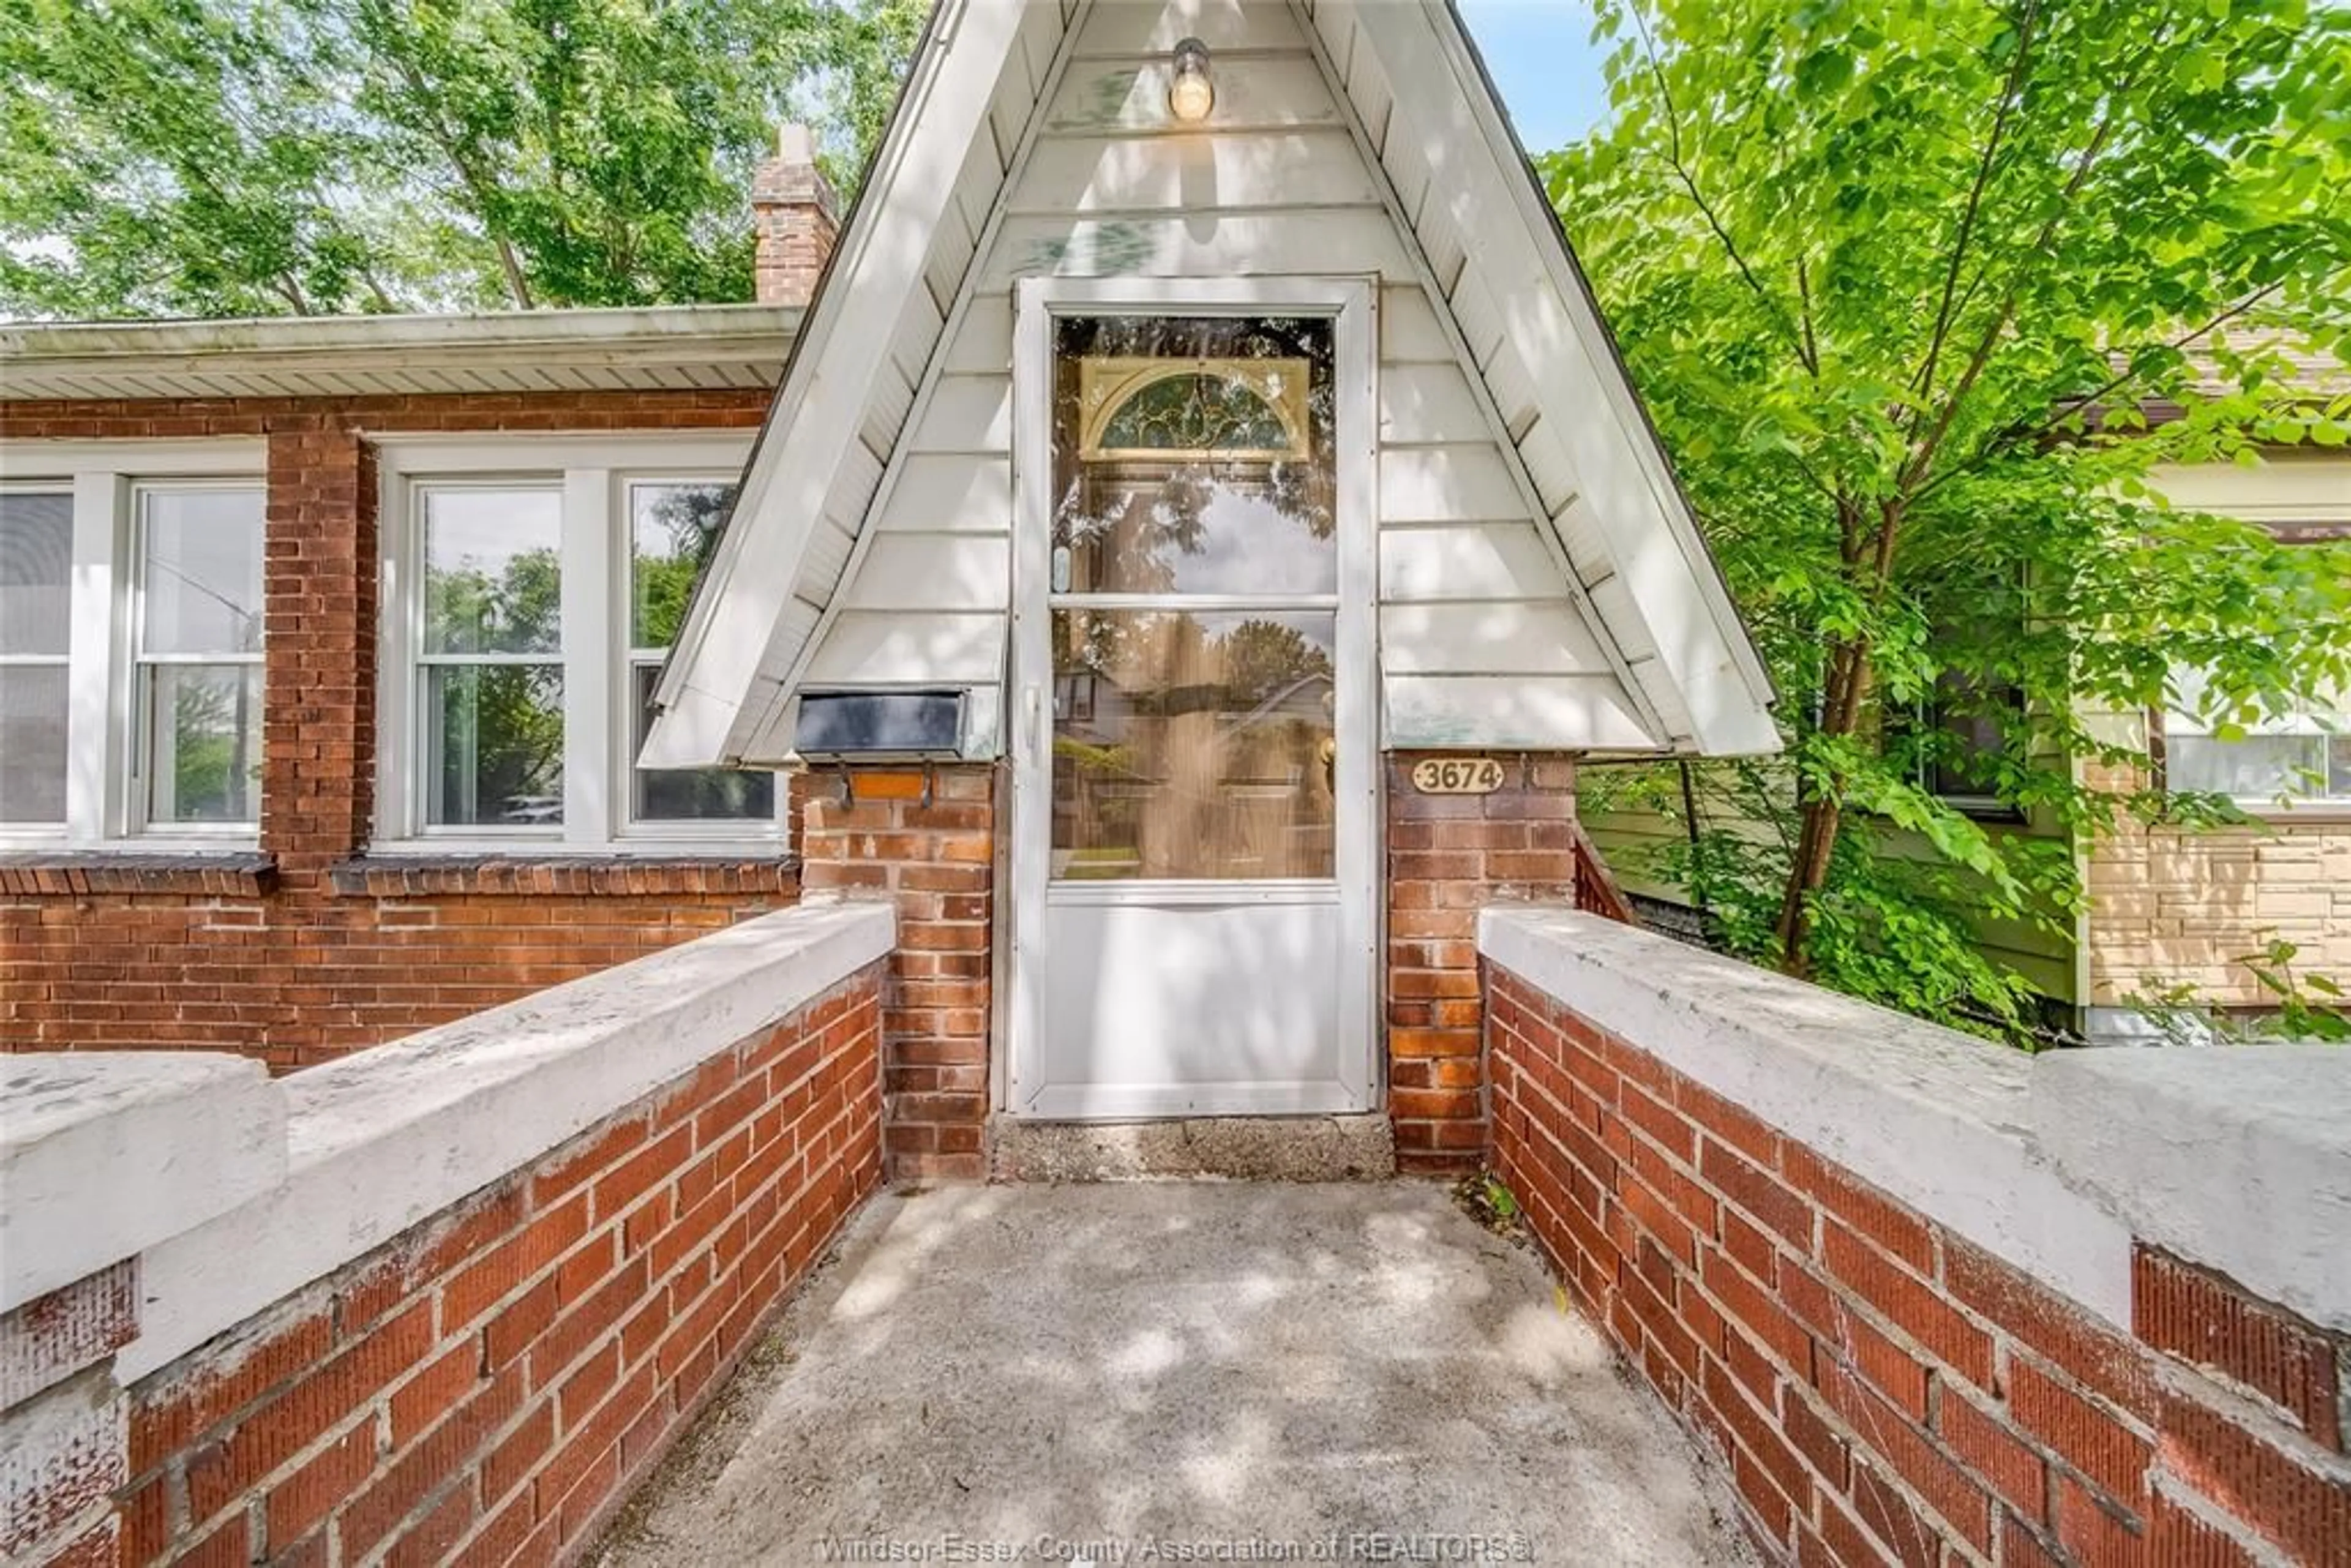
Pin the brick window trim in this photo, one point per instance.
(244, 873)
(522, 876)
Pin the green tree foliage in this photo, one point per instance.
(236, 157)
(1899, 280)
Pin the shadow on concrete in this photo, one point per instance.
(1075, 1370)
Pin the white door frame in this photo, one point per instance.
(1350, 304)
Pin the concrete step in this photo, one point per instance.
(1243, 1148)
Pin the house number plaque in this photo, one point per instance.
(1457, 776)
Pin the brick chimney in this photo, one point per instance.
(794, 217)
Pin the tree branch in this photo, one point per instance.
(2067, 408)
(1674, 161)
(2016, 435)
(477, 185)
(2011, 93)
(1923, 458)
(1804, 316)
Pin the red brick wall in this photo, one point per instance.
(1882, 1389)
(281, 957)
(795, 219)
(937, 863)
(1449, 856)
(486, 1387)
(60, 1420)
(295, 976)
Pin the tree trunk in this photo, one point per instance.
(1822, 808)
(1815, 843)
(1869, 564)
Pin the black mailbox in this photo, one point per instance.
(881, 727)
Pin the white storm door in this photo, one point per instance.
(1195, 838)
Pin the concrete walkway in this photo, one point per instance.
(1077, 1373)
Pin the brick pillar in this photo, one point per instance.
(795, 217)
(319, 608)
(937, 863)
(1447, 857)
(65, 1422)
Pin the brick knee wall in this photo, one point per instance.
(61, 1418)
(935, 860)
(1882, 1389)
(486, 1387)
(299, 973)
(1449, 856)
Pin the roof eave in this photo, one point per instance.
(402, 353)
(711, 725)
(1568, 275)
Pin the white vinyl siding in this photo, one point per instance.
(1022, 154)
(828, 636)
(1482, 639)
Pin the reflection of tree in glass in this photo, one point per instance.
(1254, 660)
(519, 610)
(1206, 748)
(212, 761)
(508, 741)
(511, 734)
(1264, 658)
(677, 527)
(1135, 517)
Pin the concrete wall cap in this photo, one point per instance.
(389, 1137)
(102, 1155)
(1939, 1119)
(2237, 1157)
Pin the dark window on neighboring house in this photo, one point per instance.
(1957, 731)
(1960, 732)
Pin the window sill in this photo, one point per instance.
(2316, 814)
(220, 872)
(523, 876)
(1991, 813)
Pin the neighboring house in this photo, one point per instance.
(2171, 908)
(2168, 908)
(1231, 404)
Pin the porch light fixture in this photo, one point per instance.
(1190, 94)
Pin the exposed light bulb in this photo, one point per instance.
(1190, 94)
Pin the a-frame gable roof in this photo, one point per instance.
(889, 330)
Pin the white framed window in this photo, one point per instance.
(36, 653)
(196, 677)
(488, 683)
(2297, 761)
(130, 643)
(532, 586)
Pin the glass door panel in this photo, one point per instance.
(1194, 589)
(1194, 746)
